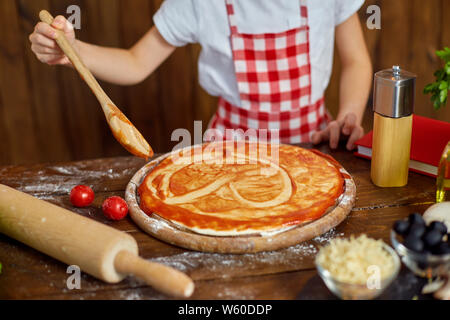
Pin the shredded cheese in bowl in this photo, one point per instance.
(352, 260)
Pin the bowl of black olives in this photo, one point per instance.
(424, 248)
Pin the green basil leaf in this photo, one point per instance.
(439, 74)
(436, 105)
(443, 96)
(444, 54)
(429, 88)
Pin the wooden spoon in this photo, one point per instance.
(123, 130)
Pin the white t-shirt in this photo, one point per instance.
(206, 22)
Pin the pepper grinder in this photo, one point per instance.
(393, 106)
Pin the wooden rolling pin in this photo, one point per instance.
(97, 249)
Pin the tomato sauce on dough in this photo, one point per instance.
(247, 192)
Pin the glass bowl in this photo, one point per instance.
(425, 265)
(351, 291)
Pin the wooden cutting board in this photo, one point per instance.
(167, 232)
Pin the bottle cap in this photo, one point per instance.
(394, 92)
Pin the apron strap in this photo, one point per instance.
(304, 12)
(232, 16)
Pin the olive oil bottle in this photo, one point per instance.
(443, 177)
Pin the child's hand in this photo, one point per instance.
(347, 126)
(43, 42)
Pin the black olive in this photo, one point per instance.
(414, 243)
(441, 248)
(401, 227)
(422, 259)
(432, 238)
(422, 264)
(439, 226)
(416, 230)
(416, 218)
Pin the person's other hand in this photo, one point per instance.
(43, 42)
(346, 127)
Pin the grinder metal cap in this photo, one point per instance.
(394, 92)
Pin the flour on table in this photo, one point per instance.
(55, 180)
(326, 237)
(133, 295)
(215, 263)
(245, 293)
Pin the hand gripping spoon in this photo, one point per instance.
(123, 130)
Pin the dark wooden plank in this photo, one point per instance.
(82, 113)
(51, 136)
(50, 283)
(15, 89)
(5, 141)
(268, 287)
(52, 179)
(423, 44)
(395, 15)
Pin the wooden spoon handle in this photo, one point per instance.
(73, 56)
(159, 276)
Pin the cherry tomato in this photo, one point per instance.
(81, 196)
(115, 208)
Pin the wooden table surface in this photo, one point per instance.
(28, 274)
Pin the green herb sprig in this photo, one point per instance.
(439, 89)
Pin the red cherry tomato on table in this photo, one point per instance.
(115, 208)
(81, 196)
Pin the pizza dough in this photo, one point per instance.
(231, 189)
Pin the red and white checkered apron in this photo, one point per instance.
(273, 72)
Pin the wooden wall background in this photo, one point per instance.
(48, 114)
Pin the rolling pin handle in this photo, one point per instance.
(161, 277)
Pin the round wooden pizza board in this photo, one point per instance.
(168, 232)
